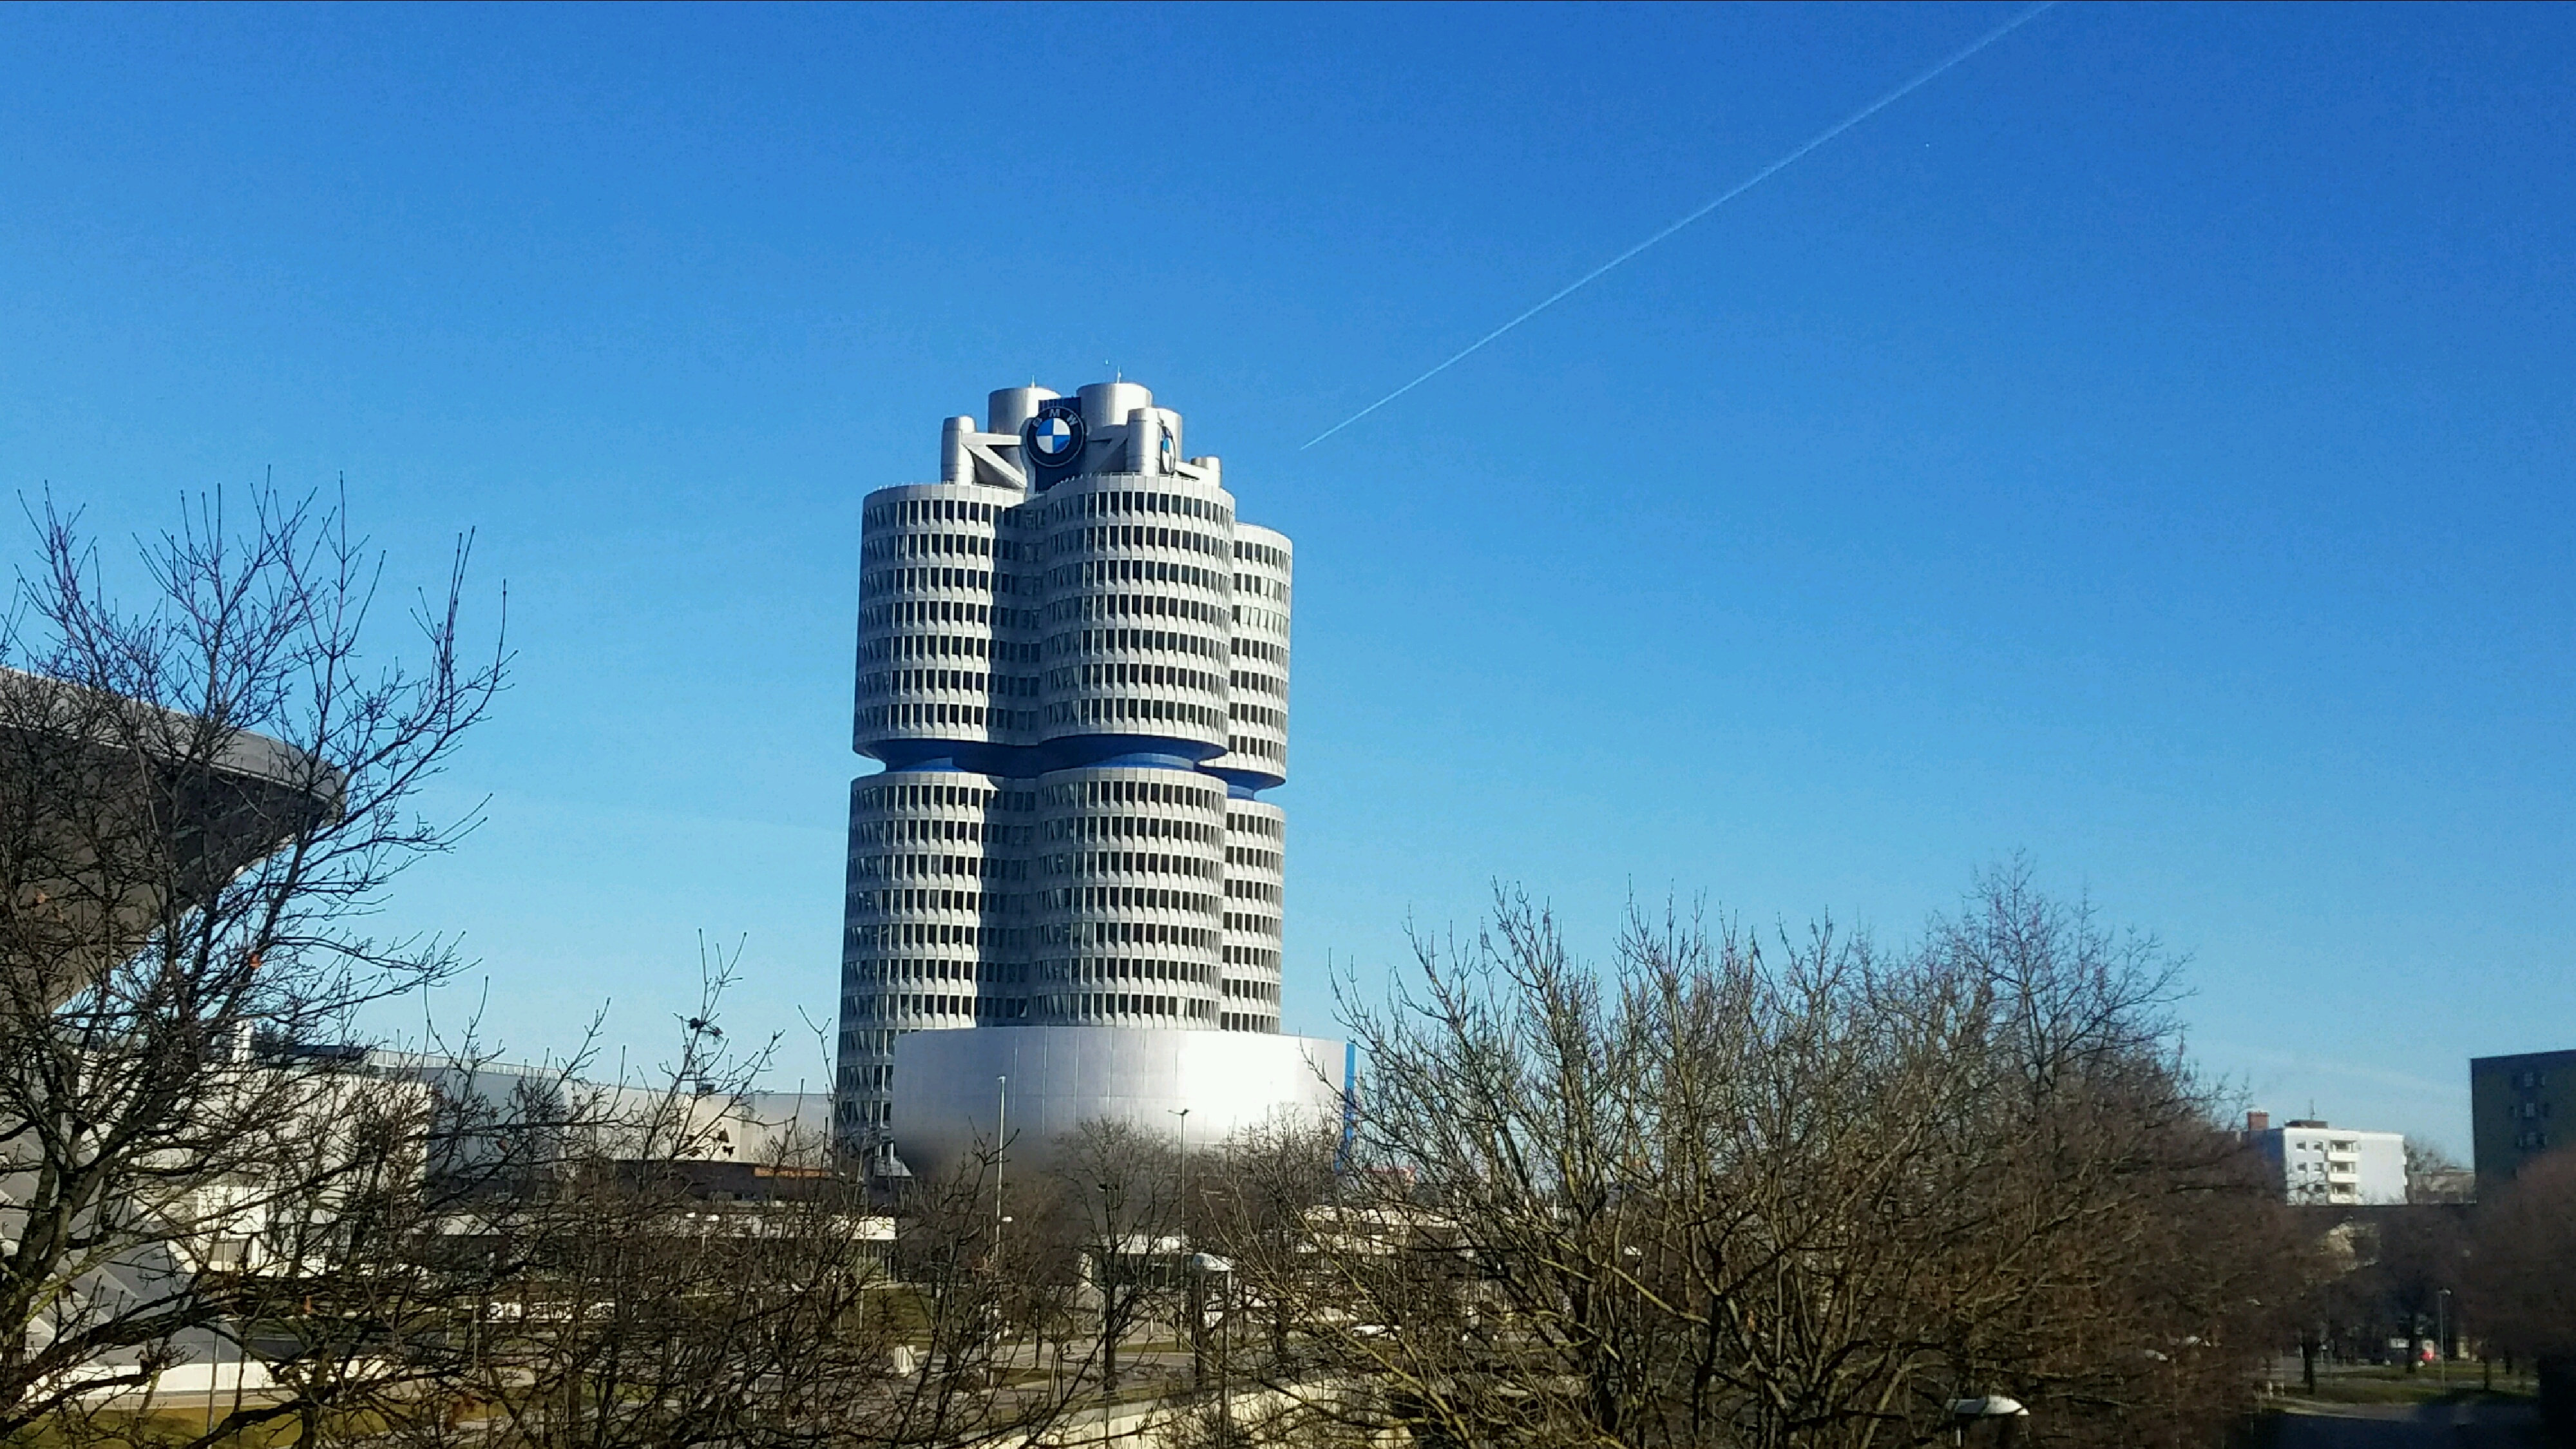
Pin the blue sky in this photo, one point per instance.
(2147, 446)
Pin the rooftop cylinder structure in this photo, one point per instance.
(1073, 664)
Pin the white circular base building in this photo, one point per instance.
(960, 1092)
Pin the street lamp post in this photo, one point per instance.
(2442, 1334)
(2007, 1412)
(1204, 1266)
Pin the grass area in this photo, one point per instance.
(2372, 1384)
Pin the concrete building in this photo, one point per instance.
(1073, 663)
(2314, 1163)
(2513, 1106)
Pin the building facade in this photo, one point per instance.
(1073, 664)
(2513, 1111)
(2314, 1164)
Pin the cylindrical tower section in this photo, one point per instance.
(1138, 615)
(1257, 673)
(1130, 871)
(1016, 693)
(927, 674)
(937, 918)
(1256, 862)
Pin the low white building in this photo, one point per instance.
(2314, 1163)
(961, 1090)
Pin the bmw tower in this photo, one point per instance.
(1064, 887)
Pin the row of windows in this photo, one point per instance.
(932, 797)
(1135, 862)
(1135, 571)
(1129, 827)
(866, 1041)
(1245, 855)
(880, 901)
(933, 510)
(895, 934)
(1092, 1006)
(1270, 619)
(909, 867)
(1260, 587)
(1253, 679)
(929, 716)
(1255, 745)
(1098, 970)
(954, 612)
(1165, 676)
(1172, 641)
(1262, 650)
(934, 611)
(1109, 606)
(1258, 714)
(1129, 792)
(1250, 924)
(913, 969)
(1238, 1021)
(983, 832)
(1253, 990)
(928, 545)
(1261, 553)
(965, 681)
(1131, 933)
(1109, 502)
(1261, 956)
(883, 581)
(918, 899)
(873, 900)
(878, 617)
(1103, 503)
(983, 1008)
(929, 646)
(1240, 824)
(1132, 535)
(1105, 711)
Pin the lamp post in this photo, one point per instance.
(1964, 1412)
(1204, 1266)
(2442, 1334)
(1184, 1114)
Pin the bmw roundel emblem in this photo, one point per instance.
(1055, 435)
(1169, 453)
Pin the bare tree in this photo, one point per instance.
(2522, 1279)
(2434, 1176)
(1124, 1205)
(1811, 1193)
(202, 798)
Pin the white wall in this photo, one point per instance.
(948, 1097)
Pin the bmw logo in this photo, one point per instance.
(1168, 452)
(1055, 435)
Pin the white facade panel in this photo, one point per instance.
(955, 1087)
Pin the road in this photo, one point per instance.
(2407, 1426)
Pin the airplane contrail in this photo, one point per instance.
(1756, 179)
